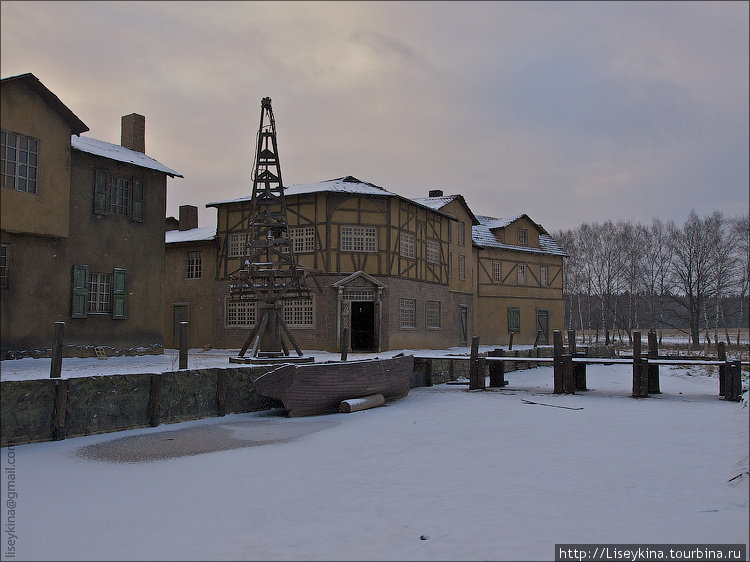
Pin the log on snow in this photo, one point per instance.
(365, 403)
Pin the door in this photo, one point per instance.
(542, 326)
(179, 314)
(363, 326)
(463, 325)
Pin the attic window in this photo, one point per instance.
(19, 161)
(523, 236)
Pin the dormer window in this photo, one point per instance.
(19, 161)
(523, 236)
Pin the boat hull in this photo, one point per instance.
(319, 388)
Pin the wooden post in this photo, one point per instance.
(721, 350)
(183, 345)
(476, 378)
(344, 343)
(428, 373)
(569, 374)
(61, 407)
(153, 402)
(557, 362)
(497, 369)
(57, 351)
(639, 391)
(606, 337)
(653, 370)
(510, 341)
(734, 382)
(221, 393)
(579, 368)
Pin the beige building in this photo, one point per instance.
(390, 272)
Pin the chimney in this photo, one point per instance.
(436, 193)
(133, 134)
(188, 217)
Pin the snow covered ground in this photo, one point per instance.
(494, 474)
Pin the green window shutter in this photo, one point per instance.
(514, 319)
(80, 291)
(100, 192)
(119, 293)
(138, 196)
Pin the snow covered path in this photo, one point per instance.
(480, 474)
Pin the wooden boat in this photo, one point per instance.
(319, 388)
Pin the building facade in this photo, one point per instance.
(82, 230)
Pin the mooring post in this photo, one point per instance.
(580, 368)
(569, 374)
(496, 369)
(721, 351)
(344, 343)
(153, 401)
(476, 378)
(183, 345)
(557, 367)
(653, 370)
(734, 382)
(57, 351)
(510, 341)
(639, 390)
(61, 407)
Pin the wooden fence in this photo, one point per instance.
(569, 369)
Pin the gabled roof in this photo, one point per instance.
(201, 234)
(119, 153)
(483, 237)
(437, 203)
(76, 125)
(356, 275)
(346, 184)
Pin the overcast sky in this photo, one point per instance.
(569, 112)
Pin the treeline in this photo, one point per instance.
(622, 276)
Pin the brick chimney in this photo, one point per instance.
(133, 134)
(436, 193)
(188, 217)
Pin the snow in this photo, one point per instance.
(119, 153)
(435, 203)
(191, 235)
(494, 474)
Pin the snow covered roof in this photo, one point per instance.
(119, 153)
(192, 235)
(437, 203)
(483, 237)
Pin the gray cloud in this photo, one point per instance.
(568, 111)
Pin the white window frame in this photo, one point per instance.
(523, 236)
(4, 251)
(359, 239)
(407, 246)
(497, 271)
(450, 264)
(432, 251)
(19, 162)
(521, 268)
(461, 233)
(236, 244)
(407, 314)
(302, 238)
(461, 267)
(100, 293)
(299, 313)
(432, 314)
(236, 310)
(544, 275)
(193, 265)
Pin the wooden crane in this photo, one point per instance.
(268, 273)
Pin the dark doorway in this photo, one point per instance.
(363, 326)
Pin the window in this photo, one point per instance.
(240, 313)
(432, 314)
(408, 313)
(461, 233)
(303, 239)
(514, 319)
(450, 264)
(237, 242)
(193, 266)
(359, 295)
(299, 312)
(3, 267)
(461, 267)
(99, 284)
(118, 196)
(433, 252)
(19, 162)
(406, 245)
(544, 276)
(523, 236)
(497, 271)
(358, 239)
(521, 273)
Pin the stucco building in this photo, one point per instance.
(81, 230)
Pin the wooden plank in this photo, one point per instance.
(57, 350)
(474, 367)
(721, 351)
(557, 361)
(653, 368)
(183, 345)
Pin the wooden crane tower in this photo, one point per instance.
(268, 273)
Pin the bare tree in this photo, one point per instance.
(740, 235)
(655, 270)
